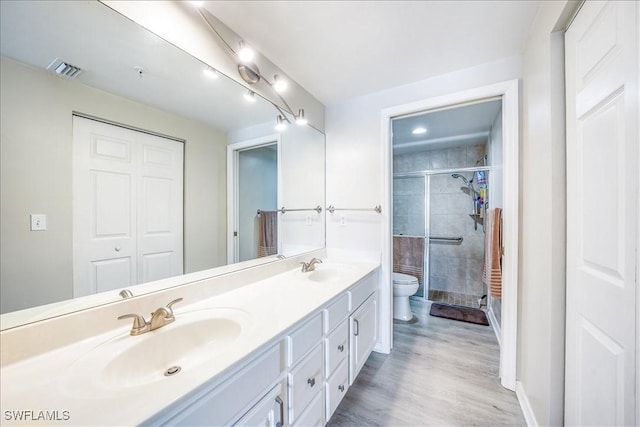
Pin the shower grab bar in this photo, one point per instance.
(283, 210)
(376, 208)
(446, 239)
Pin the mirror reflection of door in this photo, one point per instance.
(257, 190)
(127, 207)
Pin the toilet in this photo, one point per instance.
(403, 287)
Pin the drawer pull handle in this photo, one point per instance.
(341, 348)
(311, 381)
(356, 327)
(280, 403)
(341, 387)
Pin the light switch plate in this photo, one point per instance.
(38, 222)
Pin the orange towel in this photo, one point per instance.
(492, 271)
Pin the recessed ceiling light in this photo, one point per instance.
(419, 131)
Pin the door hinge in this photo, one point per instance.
(235, 234)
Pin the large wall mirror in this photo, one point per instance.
(134, 90)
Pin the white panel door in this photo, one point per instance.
(160, 208)
(602, 218)
(104, 198)
(127, 207)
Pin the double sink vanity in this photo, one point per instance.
(270, 345)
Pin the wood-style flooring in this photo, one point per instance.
(441, 372)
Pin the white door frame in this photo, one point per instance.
(232, 187)
(508, 90)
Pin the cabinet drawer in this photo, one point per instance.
(363, 289)
(336, 388)
(336, 347)
(304, 338)
(305, 381)
(336, 313)
(313, 415)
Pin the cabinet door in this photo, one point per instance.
(268, 412)
(363, 334)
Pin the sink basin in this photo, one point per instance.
(330, 273)
(127, 362)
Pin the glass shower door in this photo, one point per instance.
(410, 214)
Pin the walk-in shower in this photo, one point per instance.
(433, 205)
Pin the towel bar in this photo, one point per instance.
(376, 208)
(282, 210)
(446, 239)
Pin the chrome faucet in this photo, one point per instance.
(311, 265)
(160, 317)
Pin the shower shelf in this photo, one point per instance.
(477, 219)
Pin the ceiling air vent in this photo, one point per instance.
(64, 69)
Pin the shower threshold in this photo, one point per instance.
(455, 298)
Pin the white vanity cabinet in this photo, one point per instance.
(362, 323)
(256, 391)
(362, 338)
(306, 361)
(336, 346)
(299, 380)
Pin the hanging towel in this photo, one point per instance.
(408, 256)
(492, 271)
(267, 233)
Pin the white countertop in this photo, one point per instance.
(54, 382)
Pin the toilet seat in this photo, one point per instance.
(404, 279)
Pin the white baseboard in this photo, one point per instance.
(527, 411)
(494, 324)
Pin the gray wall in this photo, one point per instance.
(36, 157)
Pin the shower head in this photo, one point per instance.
(466, 181)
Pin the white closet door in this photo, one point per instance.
(127, 207)
(602, 217)
(159, 228)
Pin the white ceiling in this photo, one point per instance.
(108, 46)
(342, 49)
(452, 127)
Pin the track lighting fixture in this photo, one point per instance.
(279, 84)
(250, 96)
(300, 119)
(281, 124)
(250, 74)
(211, 73)
(245, 54)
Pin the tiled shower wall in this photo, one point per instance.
(452, 267)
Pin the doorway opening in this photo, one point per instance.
(254, 184)
(443, 187)
(506, 94)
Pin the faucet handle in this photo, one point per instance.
(140, 325)
(171, 303)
